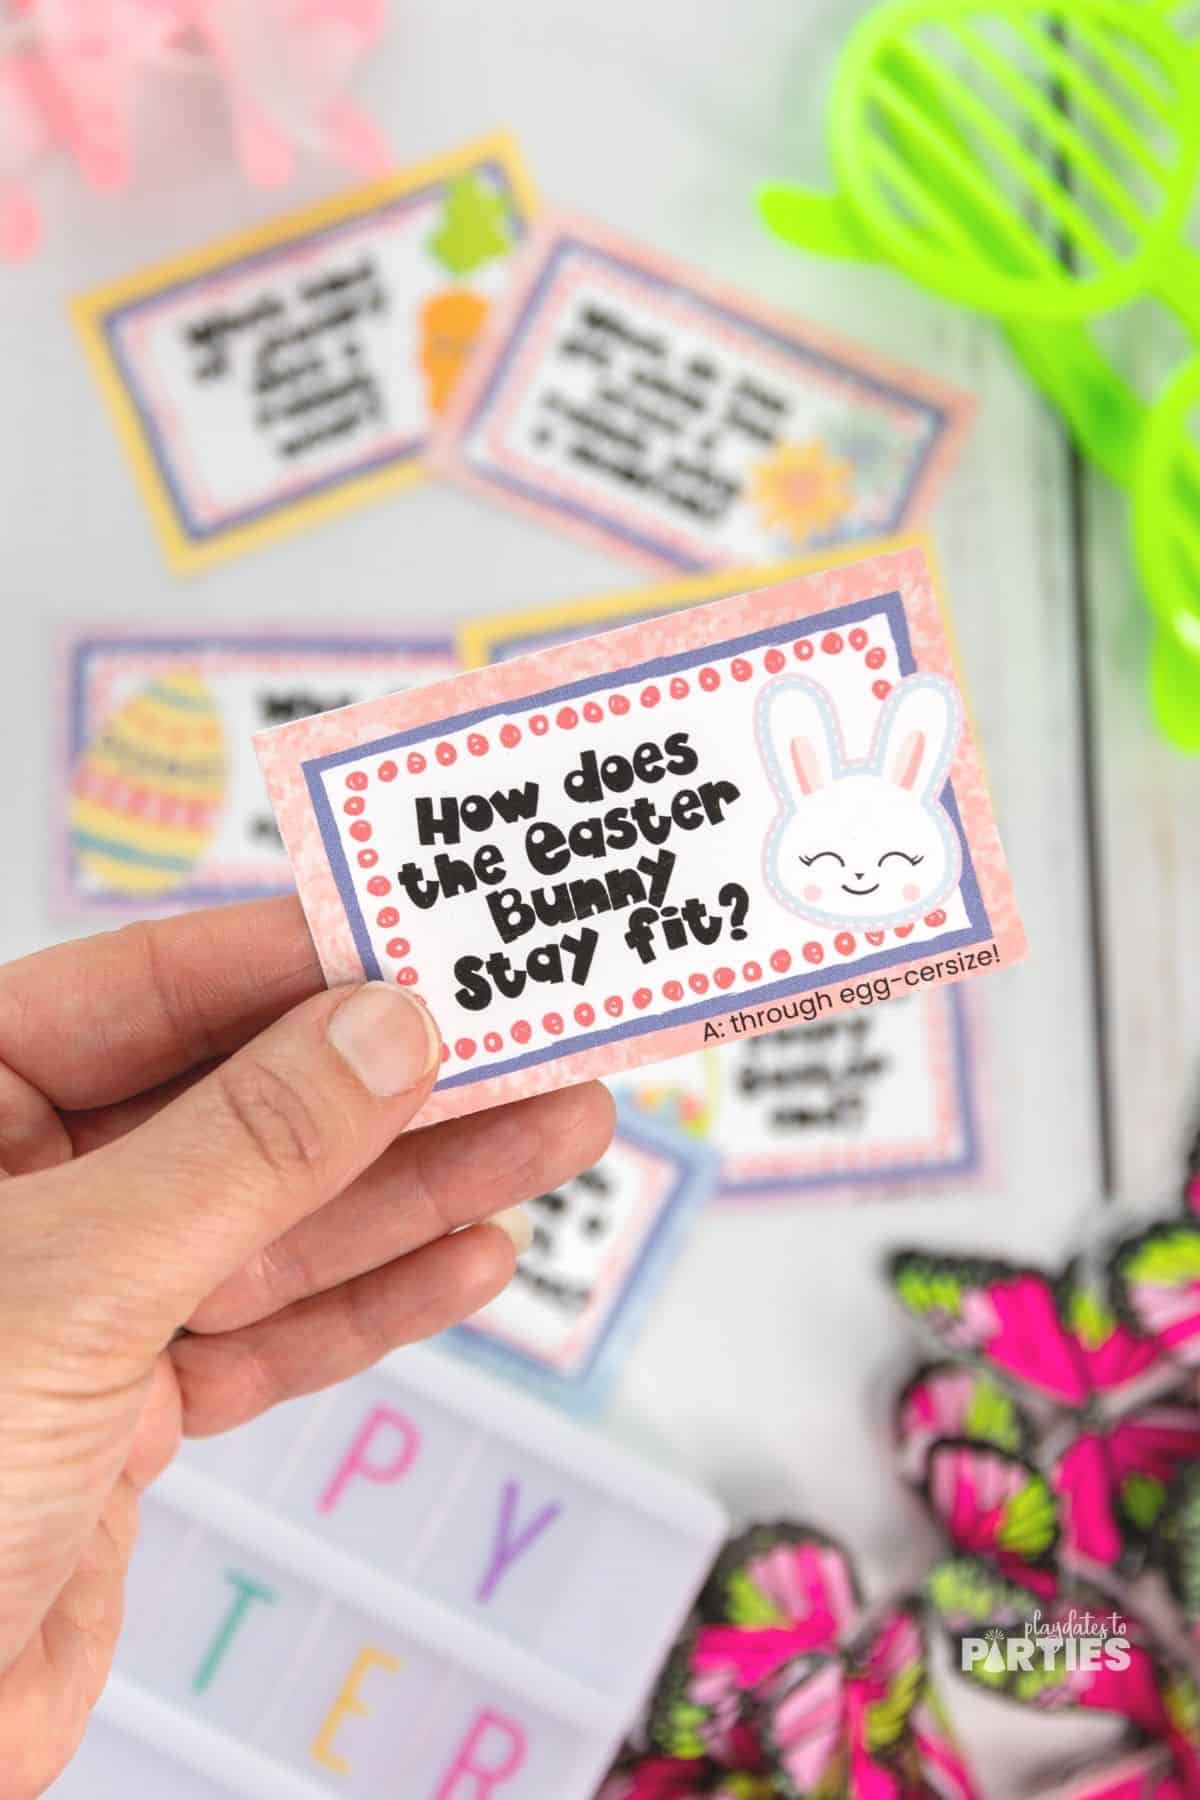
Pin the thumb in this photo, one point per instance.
(166, 1213)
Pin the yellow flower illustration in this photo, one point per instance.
(802, 490)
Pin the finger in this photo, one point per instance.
(81, 1133)
(95, 1021)
(227, 1379)
(165, 1214)
(32, 1136)
(100, 1125)
(429, 1183)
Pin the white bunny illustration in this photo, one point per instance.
(860, 843)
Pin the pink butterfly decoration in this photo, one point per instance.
(71, 72)
(779, 1688)
(1109, 1415)
(1061, 1443)
(822, 1731)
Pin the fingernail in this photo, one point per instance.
(516, 1224)
(388, 1038)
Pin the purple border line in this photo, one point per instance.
(407, 452)
(977, 931)
(745, 322)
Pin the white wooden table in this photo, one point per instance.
(767, 1369)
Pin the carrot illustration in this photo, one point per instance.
(474, 228)
(450, 322)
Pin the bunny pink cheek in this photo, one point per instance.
(812, 891)
(911, 891)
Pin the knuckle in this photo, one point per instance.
(281, 1273)
(366, 1326)
(277, 1124)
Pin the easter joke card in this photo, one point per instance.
(163, 803)
(279, 376)
(630, 400)
(417, 1576)
(602, 1244)
(860, 1102)
(679, 834)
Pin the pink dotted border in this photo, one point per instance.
(570, 718)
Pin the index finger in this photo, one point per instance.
(96, 1021)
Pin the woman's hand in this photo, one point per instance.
(193, 1132)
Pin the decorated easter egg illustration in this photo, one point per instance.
(149, 788)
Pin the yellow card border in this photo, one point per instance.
(89, 311)
(479, 639)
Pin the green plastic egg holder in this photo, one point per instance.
(935, 177)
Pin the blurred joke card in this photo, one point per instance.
(692, 830)
(272, 379)
(164, 804)
(870, 1100)
(630, 400)
(601, 1245)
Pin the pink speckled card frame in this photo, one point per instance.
(671, 836)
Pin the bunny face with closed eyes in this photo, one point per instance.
(860, 843)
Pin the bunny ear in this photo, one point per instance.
(798, 735)
(918, 734)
